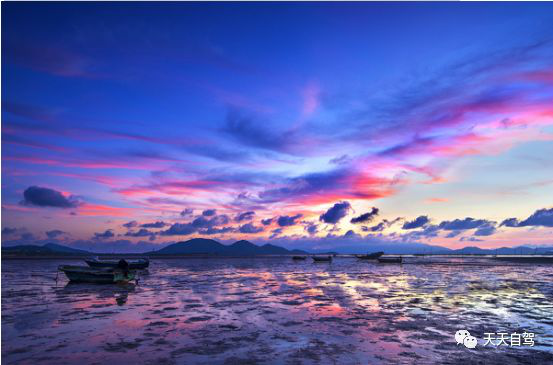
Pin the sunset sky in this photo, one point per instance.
(311, 125)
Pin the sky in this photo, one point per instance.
(128, 126)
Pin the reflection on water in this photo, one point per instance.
(276, 311)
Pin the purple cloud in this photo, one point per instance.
(250, 228)
(417, 223)
(334, 214)
(366, 217)
(286, 220)
(45, 197)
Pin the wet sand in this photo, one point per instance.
(276, 311)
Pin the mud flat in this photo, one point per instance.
(276, 311)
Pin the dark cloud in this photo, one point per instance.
(542, 217)
(463, 224)
(215, 230)
(453, 234)
(275, 233)
(250, 228)
(180, 229)
(378, 228)
(335, 213)
(9, 231)
(382, 225)
(218, 220)
(104, 235)
(286, 220)
(45, 197)
(209, 212)
(366, 217)
(158, 224)
(351, 234)
(311, 228)
(187, 212)
(140, 233)
(267, 222)
(417, 223)
(430, 230)
(131, 224)
(54, 233)
(510, 222)
(246, 216)
(486, 230)
(200, 224)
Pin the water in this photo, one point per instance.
(275, 311)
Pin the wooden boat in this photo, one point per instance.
(299, 257)
(370, 256)
(390, 260)
(322, 258)
(83, 274)
(139, 264)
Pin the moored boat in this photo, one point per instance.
(299, 257)
(322, 258)
(83, 274)
(139, 264)
(390, 260)
(370, 256)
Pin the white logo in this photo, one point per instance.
(464, 337)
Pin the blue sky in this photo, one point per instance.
(138, 112)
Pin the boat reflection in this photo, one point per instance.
(96, 294)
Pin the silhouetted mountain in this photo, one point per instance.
(61, 248)
(243, 247)
(47, 249)
(193, 246)
(519, 250)
(198, 246)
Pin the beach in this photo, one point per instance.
(276, 311)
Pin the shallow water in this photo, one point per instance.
(276, 311)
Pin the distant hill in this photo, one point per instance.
(204, 246)
(519, 250)
(61, 248)
(47, 249)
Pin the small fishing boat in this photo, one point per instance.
(322, 258)
(139, 264)
(83, 274)
(370, 256)
(299, 257)
(390, 260)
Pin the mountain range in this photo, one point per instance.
(199, 246)
(202, 246)
(47, 249)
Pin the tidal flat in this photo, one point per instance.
(276, 311)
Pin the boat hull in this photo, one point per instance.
(133, 265)
(78, 274)
(322, 259)
(371, 256)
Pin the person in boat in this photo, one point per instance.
(123, 265)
